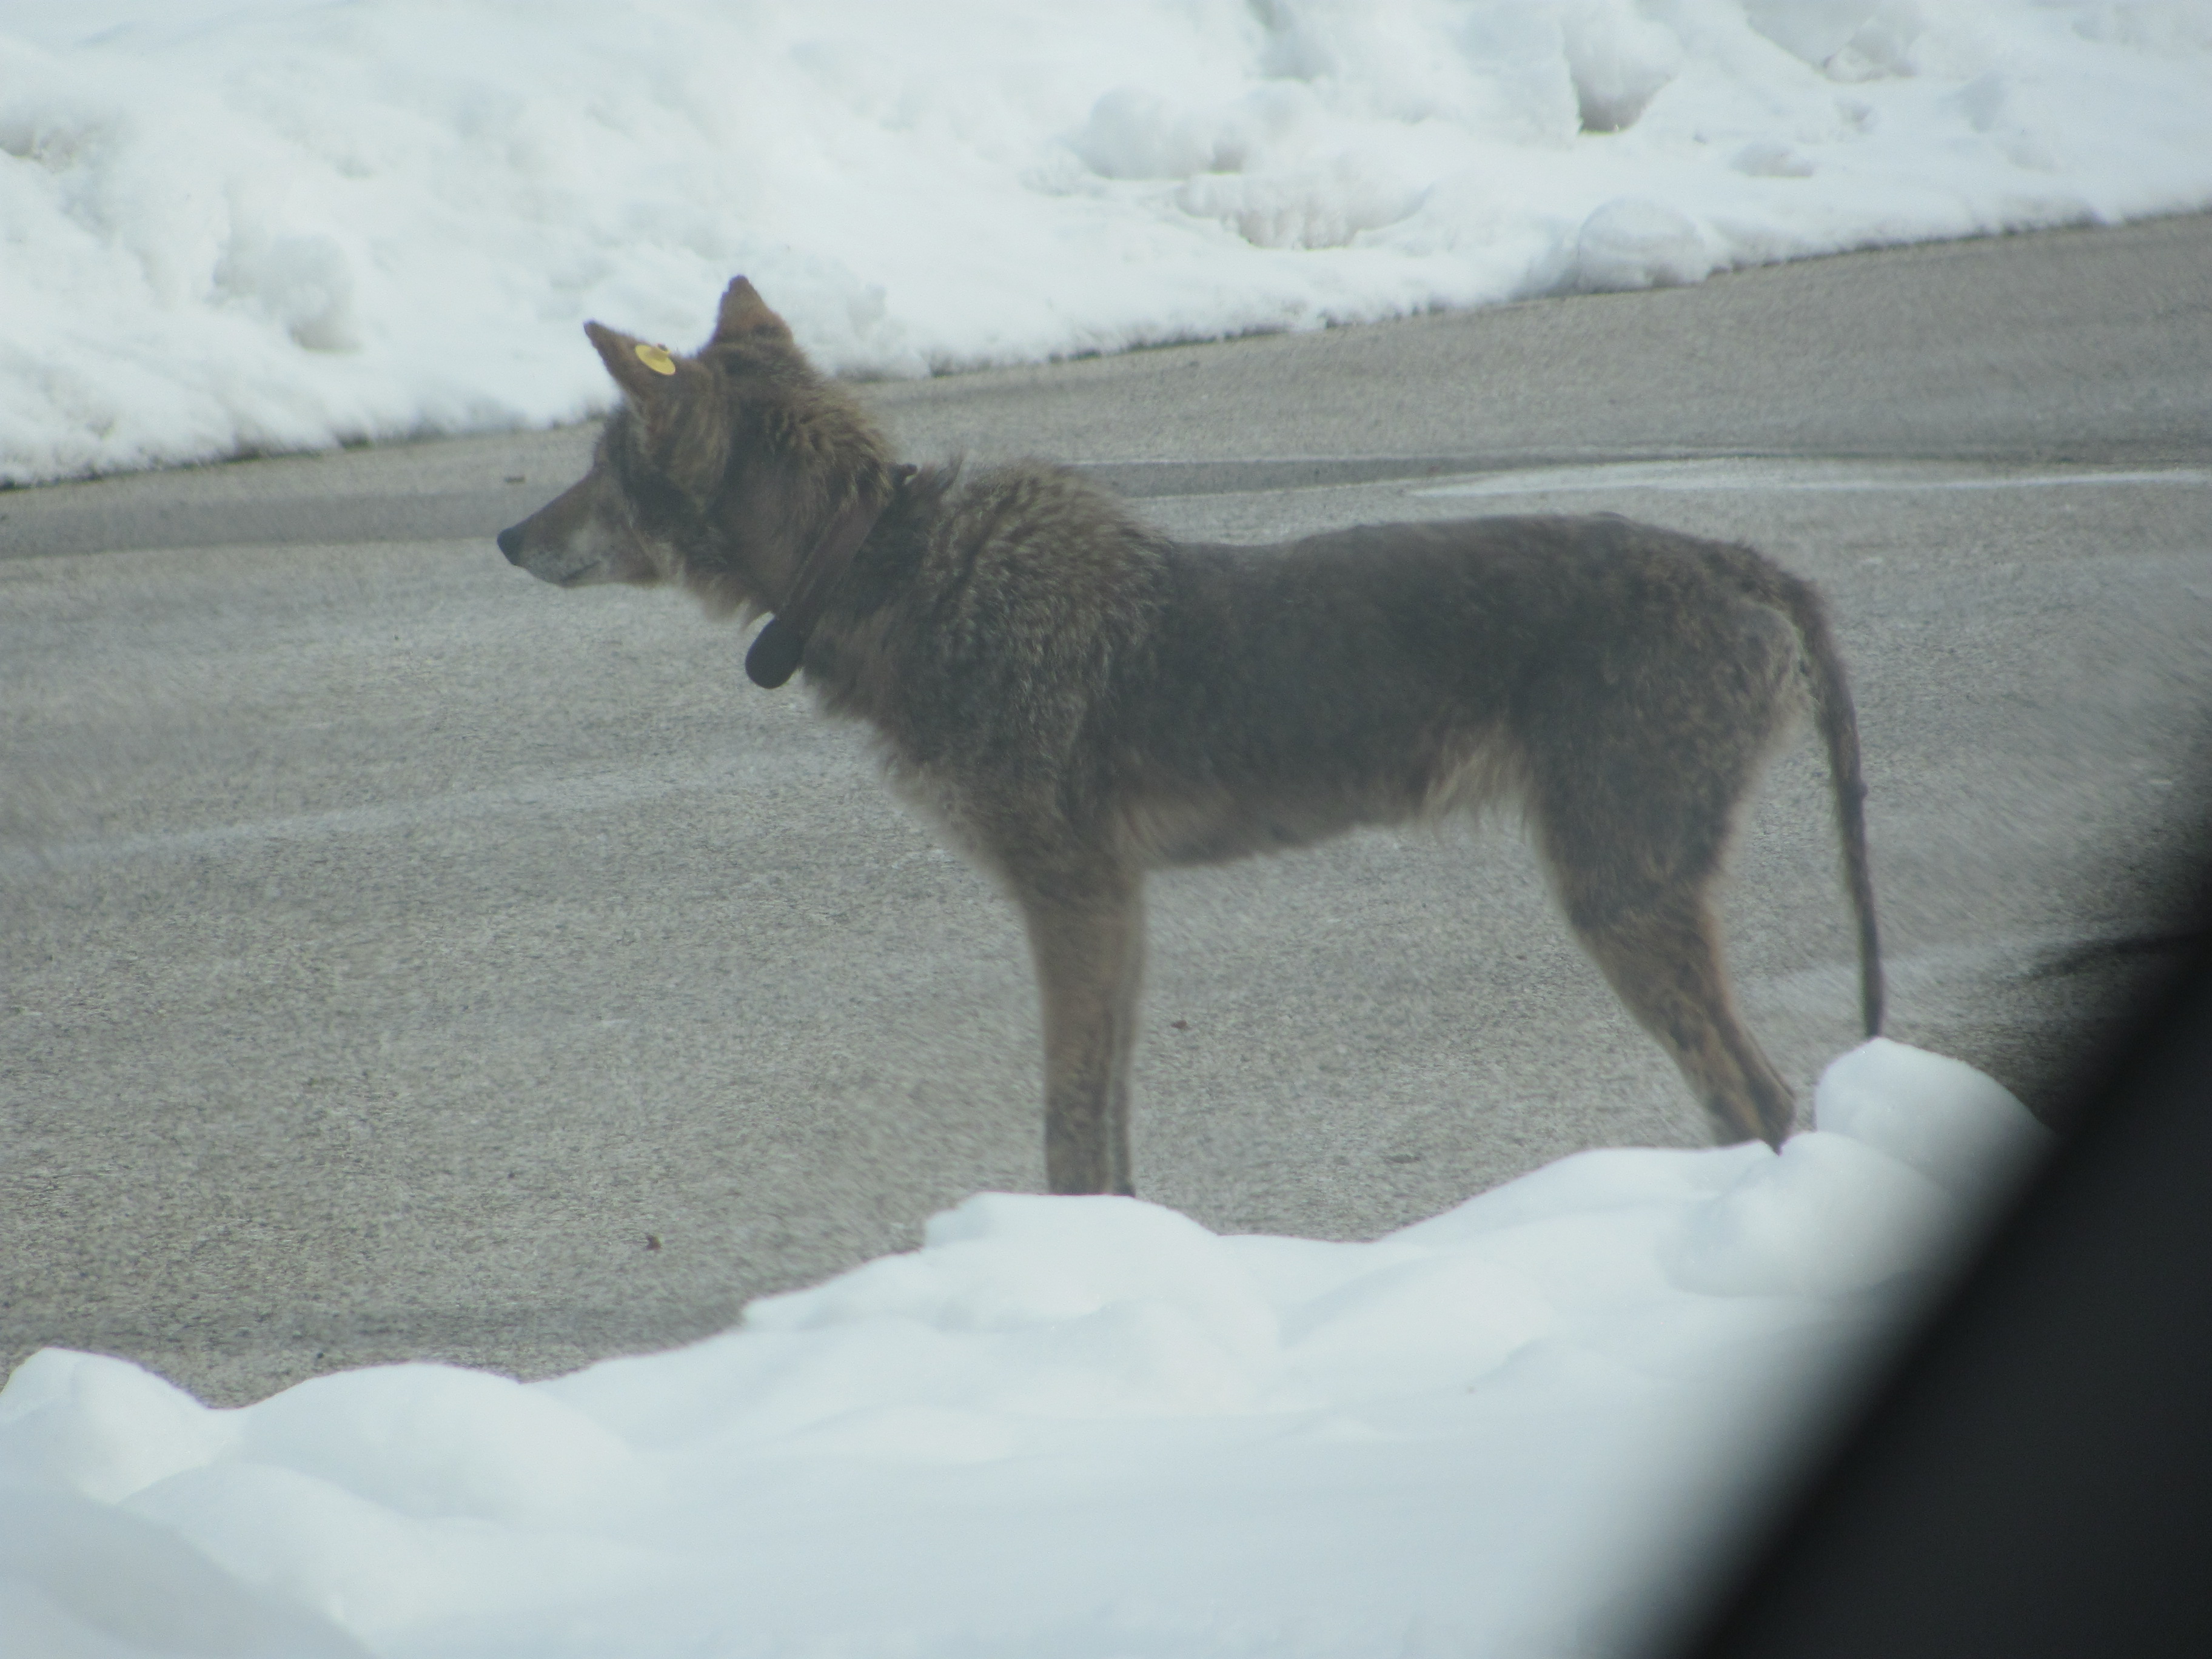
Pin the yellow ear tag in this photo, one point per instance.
(657, 359)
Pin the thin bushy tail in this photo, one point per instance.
(1839, 729)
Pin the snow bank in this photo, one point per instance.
(1082, 1427)
(233, 227)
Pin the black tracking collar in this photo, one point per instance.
(778, 648)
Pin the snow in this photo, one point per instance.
(1082, 1427)
(231, 227)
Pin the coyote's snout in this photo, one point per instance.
(586, 534)
(1077, 699)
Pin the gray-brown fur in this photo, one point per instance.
(1078, 700)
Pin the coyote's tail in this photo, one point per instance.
(1839, 731)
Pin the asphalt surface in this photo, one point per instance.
(403, 959)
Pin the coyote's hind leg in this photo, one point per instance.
(1664, 961)
(1638, 755)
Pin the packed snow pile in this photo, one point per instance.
(228, 227)
(1081, 1427)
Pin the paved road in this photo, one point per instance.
(406, 959)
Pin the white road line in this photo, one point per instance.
(1764, 475)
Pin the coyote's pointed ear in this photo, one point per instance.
(745, 316)
(689, 434)
(643, 370)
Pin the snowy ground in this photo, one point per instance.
(228, 226)
(1077, 1427)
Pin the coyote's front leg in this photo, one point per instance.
(1088, 939)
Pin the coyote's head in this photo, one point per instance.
(723, 469)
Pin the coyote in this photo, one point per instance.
(1078, 699)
